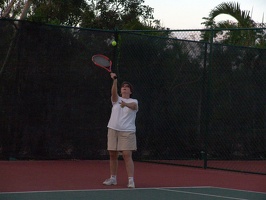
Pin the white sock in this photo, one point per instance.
(130, 179)
(113, 177)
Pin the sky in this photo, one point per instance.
(188, 14)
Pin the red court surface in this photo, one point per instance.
(251, 166)
(18, 176)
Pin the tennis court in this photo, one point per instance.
(82, 179)
(204, 193)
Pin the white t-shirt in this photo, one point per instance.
(123, 119)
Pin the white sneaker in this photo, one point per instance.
(131, 184)
(110, 181)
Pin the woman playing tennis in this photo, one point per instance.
(121, 131)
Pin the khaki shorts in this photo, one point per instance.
(121, 140)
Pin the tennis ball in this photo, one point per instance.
(114, 43)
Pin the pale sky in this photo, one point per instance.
(188, 14)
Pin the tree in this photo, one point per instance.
(122, 14)
(11, 9)
(231, 36)
(8, 9)
(58, 12)
(233, 9)
(100, 14)
(24, 11)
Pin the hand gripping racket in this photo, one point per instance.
(102, 61)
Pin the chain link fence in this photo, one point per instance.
(201, 103)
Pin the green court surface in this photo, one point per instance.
(188, 193)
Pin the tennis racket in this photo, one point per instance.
(103, 61)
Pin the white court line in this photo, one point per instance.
(201, 194)
(248, 191)
(163, 189)
(91, 190)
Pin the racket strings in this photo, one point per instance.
(101, 61)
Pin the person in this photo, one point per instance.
(121, 135)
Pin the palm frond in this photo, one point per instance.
(233, 9)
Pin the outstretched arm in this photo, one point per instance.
(114, 92)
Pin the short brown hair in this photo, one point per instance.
(129, 84)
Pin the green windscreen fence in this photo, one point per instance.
(201, 104)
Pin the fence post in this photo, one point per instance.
(208, 102)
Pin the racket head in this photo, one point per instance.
(102, 61)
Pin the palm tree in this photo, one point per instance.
(234, 34)
(233, 9)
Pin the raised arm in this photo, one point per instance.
(114, 92)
